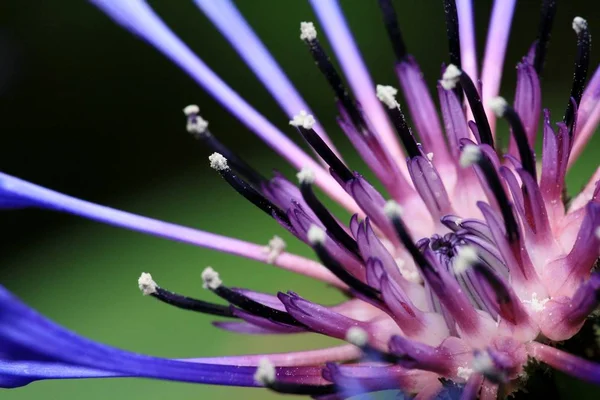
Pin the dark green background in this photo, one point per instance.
(92, 111)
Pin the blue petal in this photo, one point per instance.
(65, 354)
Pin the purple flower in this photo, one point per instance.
(470, 268)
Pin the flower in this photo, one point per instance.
(473, 268)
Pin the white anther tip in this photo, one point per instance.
(211, 279)
(191, 110)
(196, 124)
(218, 162)
(275, 247)
(307, 31)
(316, 235)
(357, 336)
(392, 209)
(498, 105)
(469, 155)
(146, 284)
(265, 372)
(306, 175)
(598, 232)
(387, 95)
(465, 259)
(579, 24)
(450, 77)
(304, 120)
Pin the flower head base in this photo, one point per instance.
(471, 267)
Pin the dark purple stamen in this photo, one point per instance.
(393, 29)
(500, 290)
(452, 31)
(483, 126)
(495, 185)
(236, 162)
(188, 303)
(518, 131)
(301, 389)
(408, 243)
(253, 196)
(335, 81)
(254, 307)
(404, 132)
(319, 145)
(339, 271)
(582, 62)
(330, 223)
(548, 12)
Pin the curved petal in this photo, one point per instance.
(15, 192)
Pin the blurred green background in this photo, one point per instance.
(90, 110)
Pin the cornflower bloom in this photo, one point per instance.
(472, 275)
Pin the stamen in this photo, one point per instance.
(387, 96)
(541, 47)
(316, 237)
(501, 108)
(198, 127)
(392, 209)
(275, 247)
(452, 31)
(495, 185)
(213, 282)
(150, 288)
(466, 258)
(304, 122)
(393, 29)
(265, 372)
(470, 155)
(357, 336)
(266, 376)
(484, 364)
(451, 76)
(307, 31)
(582, 62)
(309, 35)
(306, 177)
(219, 163)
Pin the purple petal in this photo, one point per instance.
(16, 192)
(139, 18)
(342, 41)
(528, 102)
(569, 364)
(422, 110)
(455, 121)
(430, 187)
(230, 22)
(495, 49)
(468, 48)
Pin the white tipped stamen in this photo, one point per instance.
(218, 162)
(387, 95)
(275, 247)
(357, 336)
(579, 24)
(306, 175)
(192, 109)
(470, 155)
(146, 284)
(498, 105)
(392, 209)
(430, 156)
(307, 31)
(483, 363)
(196, 124)
(598, 232)
(304, 120)
(211, 279)
(265, 372)
(465, 259)
(450, 77)
(316, 235)
(464, 373)
(536, 304)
